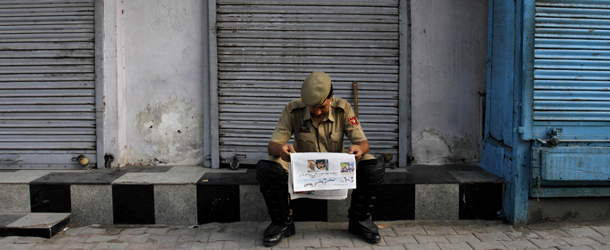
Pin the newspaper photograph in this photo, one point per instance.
(321, 175)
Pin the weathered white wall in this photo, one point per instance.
(162, 72)
(165, 69)
(449, 53)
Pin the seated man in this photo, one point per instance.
(318, 121)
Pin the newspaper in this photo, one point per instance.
(325, 176)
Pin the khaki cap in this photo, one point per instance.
(315, 89)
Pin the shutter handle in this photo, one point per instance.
(83, 160)
(554, 138)
(234, 164)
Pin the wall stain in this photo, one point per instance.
(173, 129)
(431, 147)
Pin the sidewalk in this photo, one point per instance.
(325, 235)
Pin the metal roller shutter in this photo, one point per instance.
(571, 70)
(266, 49)
(47, 92)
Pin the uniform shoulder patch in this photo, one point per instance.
(353, 120)
(341, 103)
(296, 104)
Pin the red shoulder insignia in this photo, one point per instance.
(353, 121)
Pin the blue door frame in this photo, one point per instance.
(504, 153)
(510, 147)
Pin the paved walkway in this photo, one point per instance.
(325, 235)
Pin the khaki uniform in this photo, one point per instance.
(309, 136)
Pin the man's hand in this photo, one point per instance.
(285, 152)
(359, 149)
(356, 151)
(280, 150)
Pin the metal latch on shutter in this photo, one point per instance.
(83, 160)
(553, 134)
(235, 162)
(553, 137)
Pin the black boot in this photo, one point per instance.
(275, 232)
(273, 181)
(366, 229)
(368, 178)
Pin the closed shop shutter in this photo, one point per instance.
(267, 48)
(47, 93)
(571, 81)
(569, 104)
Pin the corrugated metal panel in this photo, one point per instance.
(266, 49)
(47, 93)
(572, 62)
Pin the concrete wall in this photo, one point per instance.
(449, 53)
(165, 70)
(156, 99)
(568, 209)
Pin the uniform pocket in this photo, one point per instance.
(335, 143)
(306, 142)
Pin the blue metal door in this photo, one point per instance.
(566, 104)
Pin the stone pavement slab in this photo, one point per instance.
(46, 246)
(24, 240)
(144, 238)
(582, 232)
(427, 246)
(387, 232)
(486, 245)
(106, 245)
(402, 231)
(497, 236)
(207, 246)
(583, 241)
(143, 246)
(576, 248)
(336, 242)
(19, 246)
(522, 235)
(356, 248)
(520, 244)
(322, 235)
(604, 230)
(462, 238)
(392, 241)
(553, 233)
(439, 230)
(388, 248)
(468, 229)
(302, 243)
(83, 246)
(423, 239)
(548, 243)
(10, 239)
(134, 231)
(603, 240)
(164, 238)
(454, 246)
(224, 237)
(101, 238)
